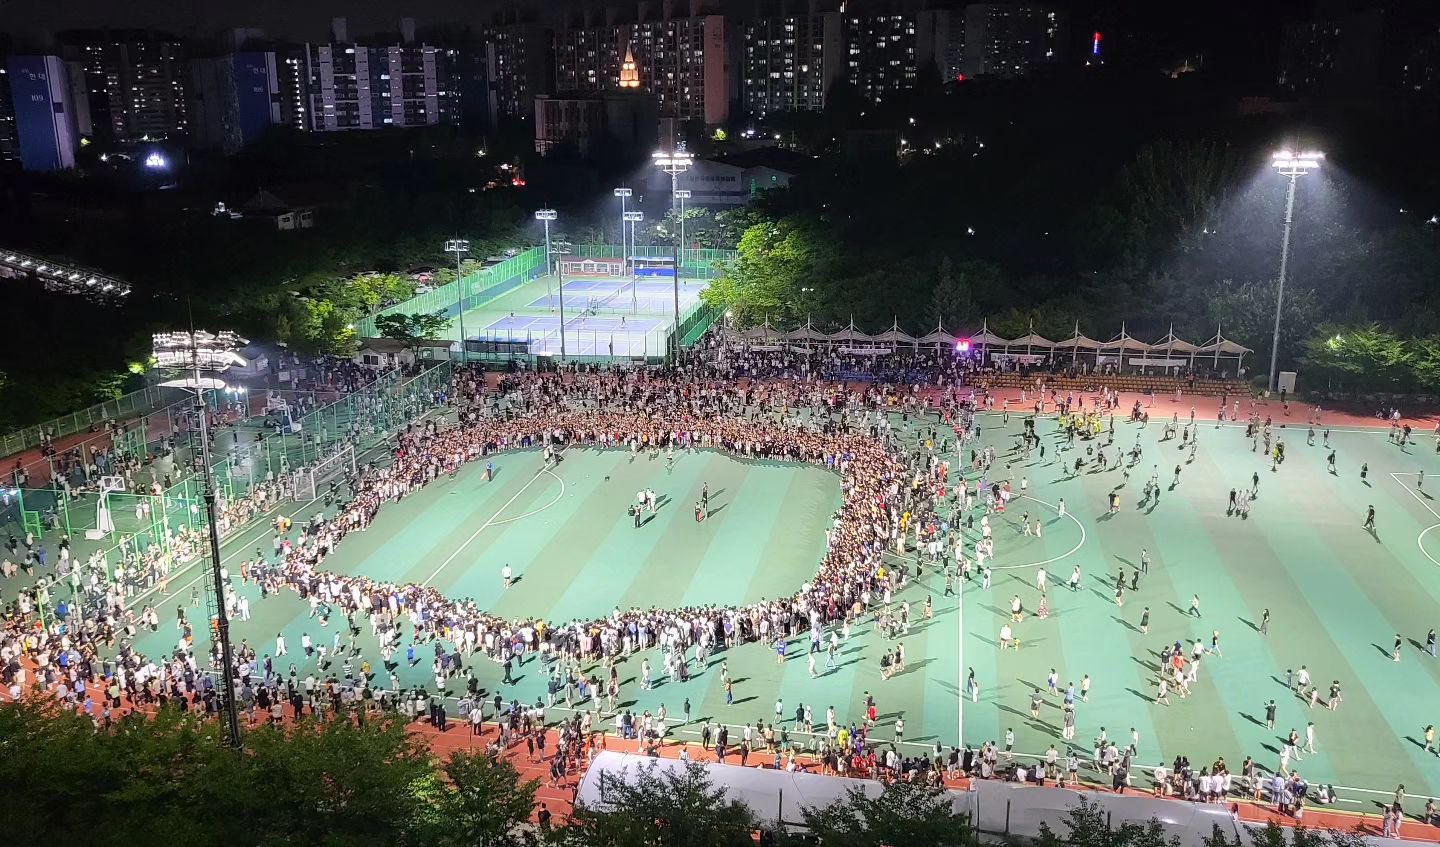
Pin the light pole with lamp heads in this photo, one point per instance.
(624, 194)
(674, 163)
(196, 352)
(682, 195)
(1292, 166)
(545, 216)
(631, 219)
(460, 247)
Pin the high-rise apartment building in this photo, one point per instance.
(519, 66)
(237, 98)
(788, 63)
(1008, 39)
(1361, 47)
(9, 142)
(885, 54)
(135, 82)
(353, 86)
(44, 117)
(683, 62)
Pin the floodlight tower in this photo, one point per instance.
(545, 216)
(633, 218)
(459, 247)
(682, 195)
(675, 163)
(624, 194)
(198, 352)
(1292, 166)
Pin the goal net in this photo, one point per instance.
(308, 482)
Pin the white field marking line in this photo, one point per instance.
(960, 676)
(1065, 555)
(489, 523)
(533, 512)
(1419, 539)
(251, 528)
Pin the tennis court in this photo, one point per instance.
(585, 335)
(620, 296)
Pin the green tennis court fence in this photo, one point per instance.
(249, 478)
(125, 407)
(467, 292)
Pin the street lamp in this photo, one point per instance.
(1292, 166)
(624, 194)
(460, 247)
(632, 218)
(197, 352)
(682, 195)
(674, 163)
(545, 216)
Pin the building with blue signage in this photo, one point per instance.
(44, 117)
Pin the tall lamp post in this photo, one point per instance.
(198, 352)
(562, 249)
(624, 194)
(460, 247)
(545, 216)
(682, 195)
(1292, 166)
(674, 163)
(631, 219)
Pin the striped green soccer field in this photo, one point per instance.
(1337, 595)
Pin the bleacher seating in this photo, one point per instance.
(1125, 383)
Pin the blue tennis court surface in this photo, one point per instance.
(617, 296)
(585, 335)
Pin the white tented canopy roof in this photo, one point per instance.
(1224, 347)
(805, 333)
(1170, 343)
(1124, 343)
(939, 336)
(1079, 342)
(988, 338)
(763, 332)
(895, 336)
(1032, 340)
(849, 333)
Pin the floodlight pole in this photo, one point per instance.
(675, 163)
(1292, 166)
(633, 219)
(683, 195)
(222, 617)
(1280, 285)
(546, 216)
(624, 194)
(460, 247)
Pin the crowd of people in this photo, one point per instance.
(905, 507)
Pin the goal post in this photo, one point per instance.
(309, 481)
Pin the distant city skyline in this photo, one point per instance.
(1242, 37)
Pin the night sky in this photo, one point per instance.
(1240, 40)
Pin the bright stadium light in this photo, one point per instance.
(624, 194)
(1292, 166)
(545, 216)
(675, 162)
(459, 246)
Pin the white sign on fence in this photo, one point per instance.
(1018, 358)
(1145, 362)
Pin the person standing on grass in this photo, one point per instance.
(1370, 520)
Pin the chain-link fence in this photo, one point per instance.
(468, 292)
(141, 539)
